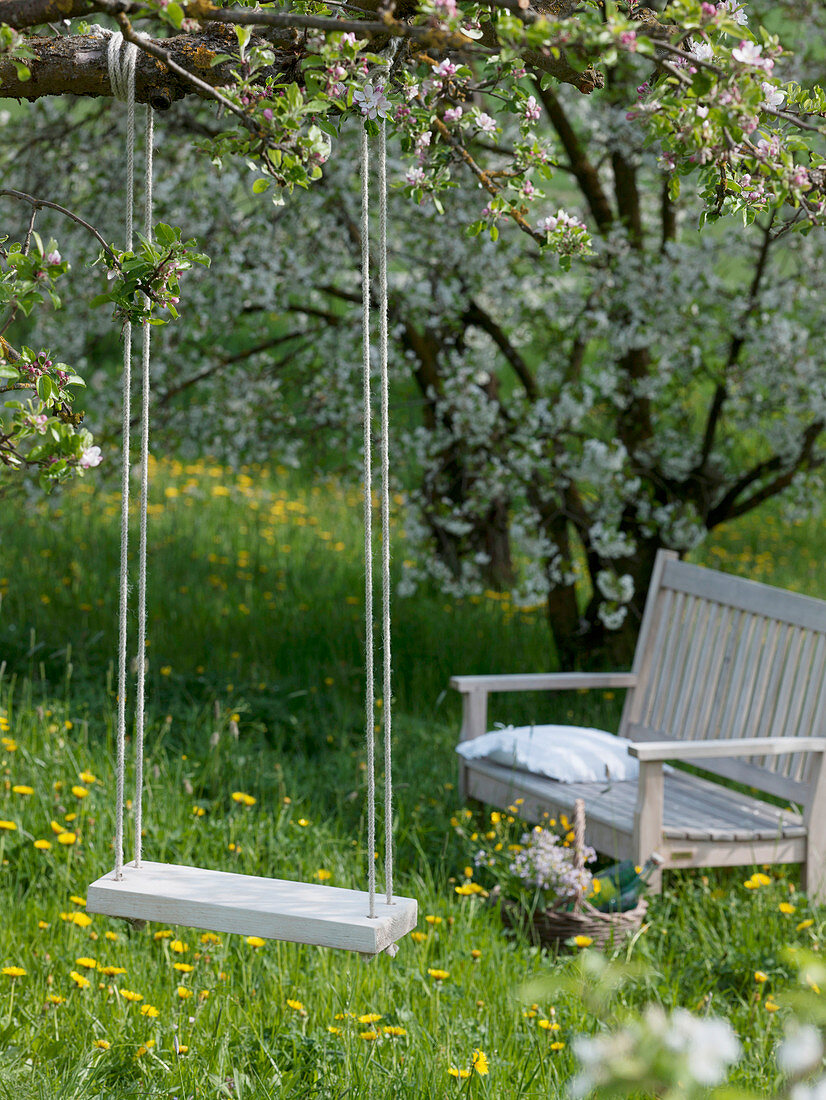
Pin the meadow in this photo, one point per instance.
(255, 763)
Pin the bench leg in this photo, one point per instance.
(648, 817)
(813, 871)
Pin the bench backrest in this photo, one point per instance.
(723, 657)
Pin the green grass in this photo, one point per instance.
(255, 627)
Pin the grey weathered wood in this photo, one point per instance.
(301, 912)
(746, 746)
(729, 675)
(543, 681)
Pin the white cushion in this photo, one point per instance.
(569, 754)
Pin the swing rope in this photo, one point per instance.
(121, 57)
(370, 724)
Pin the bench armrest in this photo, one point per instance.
(647, 751)
(543, 681)
(475, 690)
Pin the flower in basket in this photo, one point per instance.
(534, 867)
(545, 870)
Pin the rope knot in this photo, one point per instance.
(120, 60)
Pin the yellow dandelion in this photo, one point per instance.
(87, 777)
(21, 788)
(67, 839)
(369, 1018)
(131, 995)
(804, 924)
(322, 874)
(88, 964)
(760, 976)
(333, 1029)
(179, 947)
(432, 919)
(150, 1011)
(476, 953)
(54, 999)
(296, 1006)
(393, 1031)
(558, 1045)
(480, 1063)
(243, 799)
(101, 1044)
(82, 920)
(303, 822)
(203, 995)
(113, 936)
(548, 1025)
(255, 941)
(79, 792)
(582, 941)
(185, 968)
(438, 975)
(368, 1036)
(418, 937)
(163, 934)
(770, 1004)
(41, 924)
(73, 817)
(460, 1073)
(787, 908)
(56, 827)
(43, 845)
(210, 937)
(13, 971)
(9, 826)
(75, 899)
(111, 971)
(184, 993)
(79, 980)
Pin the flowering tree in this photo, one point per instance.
(588, 379)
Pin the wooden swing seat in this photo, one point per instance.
(275, 909)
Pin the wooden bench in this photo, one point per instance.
(729, 676)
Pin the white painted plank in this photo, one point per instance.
(276, 909)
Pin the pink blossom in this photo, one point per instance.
(532, 111)
(485, 123)
(90, 457)
(39, 423)
(750, 53)
(629, 40)
(53, 257)
(445, 69)
(774, 96)
(415, 176)
(372, 101)
(446, 7)
(453, 114)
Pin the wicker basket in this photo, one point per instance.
(555, 928)
(558, 927)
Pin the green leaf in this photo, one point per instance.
(175, 14)
(9, 372)
(260, 186)
(23, 71)
(46, 389)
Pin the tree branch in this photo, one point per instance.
(584, 171)
(735, 347)
(728, 508)
(76, 65)
(475, 315)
